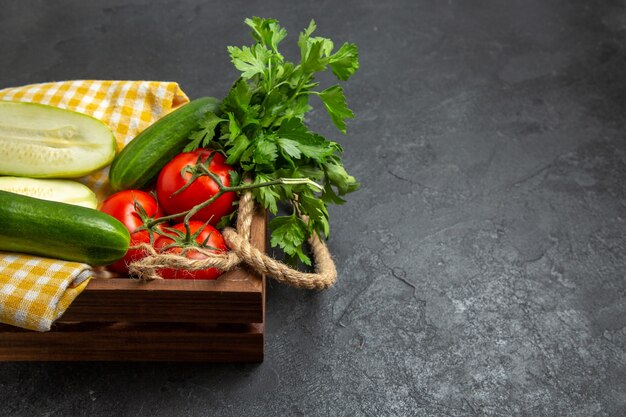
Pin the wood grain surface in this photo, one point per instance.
(194, 342)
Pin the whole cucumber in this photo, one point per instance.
(141, 160)
(59, 230)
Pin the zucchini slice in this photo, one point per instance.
(63, 191)
(43, 141)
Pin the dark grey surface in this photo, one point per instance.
(481, 265)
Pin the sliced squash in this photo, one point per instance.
(43, 141)
(63, 191)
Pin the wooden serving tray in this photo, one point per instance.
(164, 320)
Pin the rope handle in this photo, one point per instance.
(242, 251)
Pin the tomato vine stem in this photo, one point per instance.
(226, 189)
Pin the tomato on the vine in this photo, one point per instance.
(204, 236)
(179, 171)
(122, 206)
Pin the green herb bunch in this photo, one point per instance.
(260, 127)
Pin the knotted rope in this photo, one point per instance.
(242, 251)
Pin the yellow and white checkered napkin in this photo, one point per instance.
(35, 291)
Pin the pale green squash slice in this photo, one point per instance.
(49, 142)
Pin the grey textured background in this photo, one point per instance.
(481, 265)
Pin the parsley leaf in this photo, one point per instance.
(335, 103)
(240, 145)
(265, 151)
(337, 176)
(267, 196)
(345, 61)
(317, 211)
(250, 61)
(267, 31)
(289, 233)
(289, 148)
(206, 132)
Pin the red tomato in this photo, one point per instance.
(200, 190)
(208, 237)
(121, 205)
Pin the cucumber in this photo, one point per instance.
(143, 157)
(63, 191)
(59, 230)
(42, 141)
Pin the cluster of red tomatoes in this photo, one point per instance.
(176, 194)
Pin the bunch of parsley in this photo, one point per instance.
(261, 128)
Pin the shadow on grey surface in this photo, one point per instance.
(74, 388)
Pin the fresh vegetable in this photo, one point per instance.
(260, 127)
(141, 159)
(63, 191)
(186, 243)
(186, 182)
(59, 230)
(133, 208)
(42, 141)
